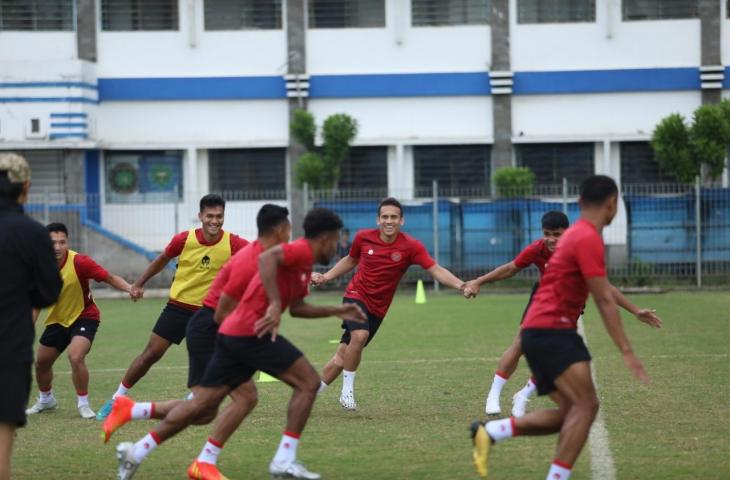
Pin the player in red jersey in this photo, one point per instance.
(554, 351)
(383, 255)
(248, 341)
(537, 253)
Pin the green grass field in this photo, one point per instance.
(422, 381)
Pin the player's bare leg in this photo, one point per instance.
(45, 359)
(7, 435)
(505, 368)
(77, 351)
(334, 367)
(153, 352)
(352, 358)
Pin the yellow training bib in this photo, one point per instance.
(70, 302)
(197, 266)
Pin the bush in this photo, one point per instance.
(514, 181)
(311, 169)
(303, 129)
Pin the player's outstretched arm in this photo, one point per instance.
(152, 269)
(503, 272)
(645, 315)
(226, 304)
(120, 284)
(446, 277)
(350, 311)
(603, 295)
(346, 264)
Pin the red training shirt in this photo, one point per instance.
(536, 254)
(292, 277)
(563, 290)
(176, 245)
(381, 266)
(87, 269)
(235, 275)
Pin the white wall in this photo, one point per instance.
(36, 46)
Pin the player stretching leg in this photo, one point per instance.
(71, 323)
(224, 294)
(554, 351)
(202, 252)
(248, 341)
(537, 253)
(383, 255)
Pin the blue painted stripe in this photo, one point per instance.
(47, 100)
(56, 136)
(68, 125)
(191, 88)
(726, 80)
(92, 185)
(86, 85)
(600, 81)
(69, 115)
(148, 254)
(400, 85)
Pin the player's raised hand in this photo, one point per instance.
(317, 279)
(352, 311)
(270, 322)
(649, 317)
(633, 363)
(471, 289)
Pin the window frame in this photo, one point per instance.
(311, 23)
(521, 21)
(485, 22)
(138, 26)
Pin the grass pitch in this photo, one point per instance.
(422, 380)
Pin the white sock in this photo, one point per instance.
(287, 451)
(189, 396)
(529, 389)
(497, 384)
(322, 386)
(498, 430)
(121, 390)
(210, 452)
(45, 396)
(348, 381)
(82, 400)
(143, 447)
(142, 410)
(558, 471)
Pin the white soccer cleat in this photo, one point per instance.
(127, 465)
(347, 400)
(492, 407)
(39, 406)
(292, 470)
(86, 412)
(519, 404)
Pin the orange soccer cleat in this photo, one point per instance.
(204, 471)
(121, 413)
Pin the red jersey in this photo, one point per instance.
(536, 254)
(381, 266)
(176, 245)
(292, 277)
(235, 275)
(87, 269)
(563, 290)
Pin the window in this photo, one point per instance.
(459, 169)
(365, 168)
(433, 13)
(248, 173)
(659, 9)
(556, 11)
(639, 166)
(346, 13)
(48, 171)
(36, 15)
(128, 15)
(147, 176)
(551, 162)
(242, 14)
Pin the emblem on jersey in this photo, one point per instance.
(370, 252)
(205, 263)
(395, 256)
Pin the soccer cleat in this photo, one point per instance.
(39, 406)
(492, 407)
(481, 442)
(292, 470)
(105, 410)
(127, 466)
(204, 471)
(86, 412)
(347, 400)
(121, 413)
(519, 404)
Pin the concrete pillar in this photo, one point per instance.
(710, 18)
(86, 29)
(502, 104)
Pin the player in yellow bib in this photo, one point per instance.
(201, 252)
(71, 323)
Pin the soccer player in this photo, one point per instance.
(383, 255)
(537, 253)
(71, 323)
(554, 351)
(201, 253)
(225, 292)
(248, 341)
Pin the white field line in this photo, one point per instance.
(602, 466)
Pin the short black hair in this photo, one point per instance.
(269, 217)
(392, 202)
(212, 200)
(596, 189)
(9, 190)
(57, 227)
(554, 220)
(319, 221)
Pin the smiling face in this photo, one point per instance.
(212, 220)
(551, 236)
(390, 220)
(60, 245)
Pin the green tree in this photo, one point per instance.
(514, 181)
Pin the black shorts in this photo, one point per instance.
(549, 352)
(529, 302)
(16, 380)
(59, 337)
(372, 325)
(200, 335)
(236, 359)
(172, 323)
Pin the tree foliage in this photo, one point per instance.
(514, 181)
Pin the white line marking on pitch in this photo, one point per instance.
(602, 466)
